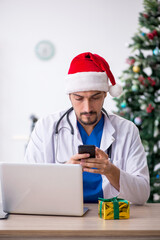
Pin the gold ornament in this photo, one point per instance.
(136, 69)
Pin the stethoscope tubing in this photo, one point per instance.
(109, 150)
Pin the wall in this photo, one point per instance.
(29, 85)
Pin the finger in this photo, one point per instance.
(75, 162)
(71, 161)
(100, 153)
(91, 170)
(93, 165)
(80, 156)
(96, 160)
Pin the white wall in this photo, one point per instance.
(32, 86)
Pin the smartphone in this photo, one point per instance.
(87, 149)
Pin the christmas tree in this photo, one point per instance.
(140, 101)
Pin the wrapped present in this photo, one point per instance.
(113, 208)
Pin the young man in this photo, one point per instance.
(56, 138)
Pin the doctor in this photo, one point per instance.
(120, 166)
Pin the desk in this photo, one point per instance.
(144, 223)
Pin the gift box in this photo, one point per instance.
(113, 208)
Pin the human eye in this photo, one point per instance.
(96, 97)
(77, 98)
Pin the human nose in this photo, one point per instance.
(87, 106)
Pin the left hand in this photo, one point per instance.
(100, 164)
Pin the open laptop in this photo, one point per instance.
(49, 189)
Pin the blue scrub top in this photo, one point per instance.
(92, 182)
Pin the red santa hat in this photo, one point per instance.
(90, 72)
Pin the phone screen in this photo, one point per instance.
(87, 149)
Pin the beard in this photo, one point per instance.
(88, 118)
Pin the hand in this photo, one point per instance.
(100, 164)
(76, 159)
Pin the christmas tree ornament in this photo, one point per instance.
(152, 34)
(130, 61)
(145, 15)
(138, 121)
(136, 69)
(156, 51)
(143, 34)
(134, 88)
(142, 80)
(123, 104)
(150, 108)
(151, 81)
(155, 33)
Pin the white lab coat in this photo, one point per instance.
(127, 152)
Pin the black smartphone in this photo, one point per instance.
(87, 149)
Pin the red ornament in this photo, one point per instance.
(130, 61)
(145, 15)
(150, 108)
(155, 33)
(152, 81)
(142, 80)
(152, 34)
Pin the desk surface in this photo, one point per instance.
(144, 221)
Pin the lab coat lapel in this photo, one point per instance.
(107, 135)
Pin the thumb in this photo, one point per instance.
(100, 153)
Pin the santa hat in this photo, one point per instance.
(90, 72)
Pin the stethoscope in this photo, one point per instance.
(108, 151)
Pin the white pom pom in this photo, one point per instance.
(115, 90)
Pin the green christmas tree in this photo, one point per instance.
(140, 101)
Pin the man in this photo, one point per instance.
(56, 138)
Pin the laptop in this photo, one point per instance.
(46, 189)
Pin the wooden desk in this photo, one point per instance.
(144, 223)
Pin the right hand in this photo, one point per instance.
(75, 159)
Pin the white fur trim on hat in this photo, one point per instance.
(87, 81)
(115, 90)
